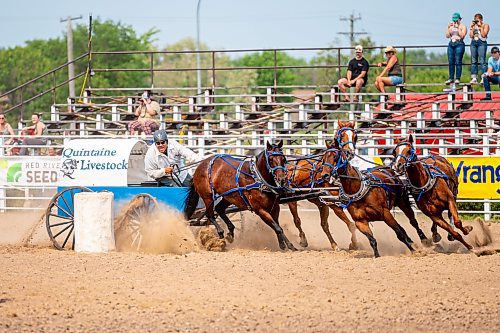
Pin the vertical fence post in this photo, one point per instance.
(151, 69)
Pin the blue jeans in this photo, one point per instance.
(486, 82)
(456, 52)
(478, 51)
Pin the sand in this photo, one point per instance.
(251, 286)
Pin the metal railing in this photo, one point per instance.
(18, 99)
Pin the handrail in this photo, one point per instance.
(43, 75)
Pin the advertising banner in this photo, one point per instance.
(478, 176)
(96, 162)
(30, 171)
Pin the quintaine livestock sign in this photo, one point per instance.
(96, 162)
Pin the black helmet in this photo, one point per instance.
(160, 135)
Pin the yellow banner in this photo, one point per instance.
(478, 176)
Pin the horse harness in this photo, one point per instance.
(433, 172)
(260, 183)
(366, 177)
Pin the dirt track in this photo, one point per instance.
(250, 287)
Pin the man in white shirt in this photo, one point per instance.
(163, 155)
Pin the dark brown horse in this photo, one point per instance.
(345, 139)
(253, 185)
(434, 185)
(368, 196)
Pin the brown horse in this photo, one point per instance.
(306, 173)
(368, 196)
(434, 185)
(345, 139)
(254, 185)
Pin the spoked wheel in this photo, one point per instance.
(130, 225)
(60, 217)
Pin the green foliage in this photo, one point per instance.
(265, 77)
(23, 63)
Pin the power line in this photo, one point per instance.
(352, 34)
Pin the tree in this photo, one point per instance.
(22, 63)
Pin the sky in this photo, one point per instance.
(236, 24)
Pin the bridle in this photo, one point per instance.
(271, 169)
(412, 157)
(339, 137)
(341, 162)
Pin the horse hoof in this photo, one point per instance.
(303, 243)
(426, 242)
(467, 229)
(230, 238)
(436, 238)
(451, 238)
(292, 248)
(353, 247)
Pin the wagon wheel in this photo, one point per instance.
(129, 226)
(60, 217)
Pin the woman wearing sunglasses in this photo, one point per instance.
(163, 155)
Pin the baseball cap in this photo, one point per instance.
(359, 48)
(456, 17)
(494, 49)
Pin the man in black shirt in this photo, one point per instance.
(357, 74)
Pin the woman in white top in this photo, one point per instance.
(456, 32)
(478, 45)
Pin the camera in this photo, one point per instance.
(475, 21)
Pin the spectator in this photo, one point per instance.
(146, 113)
(6, 129)
(392, 69)
(456, 32)
(357, 74)
(38, 129)
(493, 73)
(478, 45)
(51, 151)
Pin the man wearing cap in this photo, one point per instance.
(456, 32)
(493, 73)
(357, 74)
(163, 155)
(146, 113)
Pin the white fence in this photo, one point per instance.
(32, 191)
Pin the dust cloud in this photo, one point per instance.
(164, 230)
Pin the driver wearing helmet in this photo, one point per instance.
(163, 155)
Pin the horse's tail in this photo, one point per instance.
(191, 202)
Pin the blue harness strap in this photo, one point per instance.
(226, 158)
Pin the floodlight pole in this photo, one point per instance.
(198, 71)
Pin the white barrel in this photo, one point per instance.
(94, 230)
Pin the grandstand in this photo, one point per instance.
(240, 119)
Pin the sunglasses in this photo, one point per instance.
(160, 143)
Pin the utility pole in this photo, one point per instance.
(71, 66)
(352, 34)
